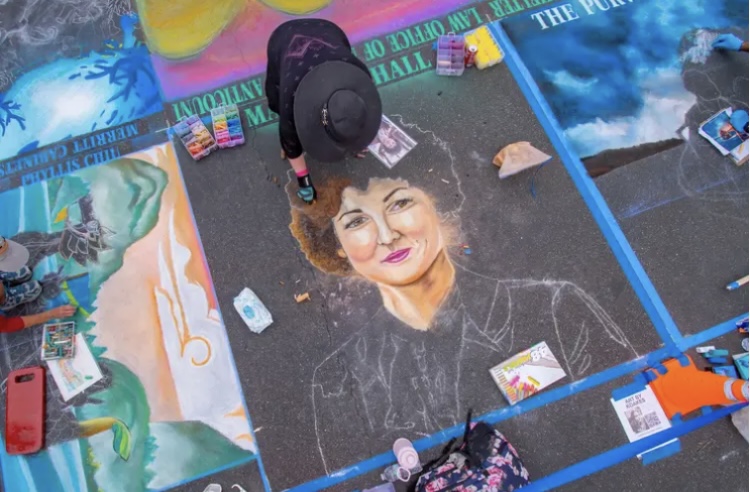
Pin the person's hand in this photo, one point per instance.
(739, 120)
(61, 311)
(728, 42)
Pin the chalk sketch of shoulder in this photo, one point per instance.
(355, 376)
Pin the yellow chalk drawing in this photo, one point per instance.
(183, 28)
(297, 7)
(61, 215)
(122, 440)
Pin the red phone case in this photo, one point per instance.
(24, 411)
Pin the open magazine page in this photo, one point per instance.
(724, 137)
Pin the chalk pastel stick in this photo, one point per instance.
(738, 283)
(726, 371)
(717, 360)
(716, 353)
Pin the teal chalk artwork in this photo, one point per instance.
(120, 421)
(111, 84)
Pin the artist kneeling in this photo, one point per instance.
(326, 100)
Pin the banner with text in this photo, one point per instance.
(390, 58)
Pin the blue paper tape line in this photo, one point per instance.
(716, 353)
(717, 360)
(628, 390)
(665, 326)
(711, 333)
(623, 453)
(384, 459)
(661, 452)
(636, 275)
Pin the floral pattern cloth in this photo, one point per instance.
(501, 471)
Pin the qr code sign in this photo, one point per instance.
(639, 422)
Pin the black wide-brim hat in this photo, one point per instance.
(314, 120)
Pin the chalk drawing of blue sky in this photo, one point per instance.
(74, 96)
(614, 78)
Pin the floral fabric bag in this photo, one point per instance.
(484, 462)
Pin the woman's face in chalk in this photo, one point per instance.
(390, 232)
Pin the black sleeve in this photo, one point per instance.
(272, 80)
(288, 133)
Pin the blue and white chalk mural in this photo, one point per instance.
(615, 78)
(71, 96)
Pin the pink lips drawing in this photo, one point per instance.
(397, 256)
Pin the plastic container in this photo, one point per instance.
(227, 126)
(195, 137)
(253, 312)
(451, 52)
(488, 51)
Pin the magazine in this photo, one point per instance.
(391, 143)
(527, 373)
(730, 141)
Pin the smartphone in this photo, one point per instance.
(24, 411)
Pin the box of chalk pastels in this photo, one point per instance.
(451, 52)
(59, 341)
(195, 137)
(227, 126)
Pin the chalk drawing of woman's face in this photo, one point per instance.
(390, 232)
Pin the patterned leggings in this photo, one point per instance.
(17, 288)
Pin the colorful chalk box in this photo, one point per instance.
(59, 341)
(195, 137)
(451, 53)
(227, 126)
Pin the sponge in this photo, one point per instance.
(488, 51)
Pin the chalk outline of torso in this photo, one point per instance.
(575, 359)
